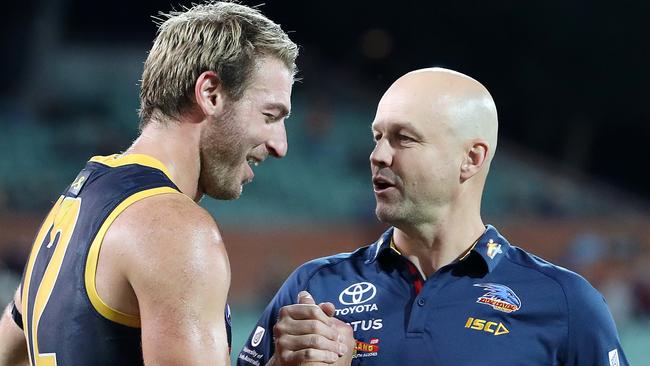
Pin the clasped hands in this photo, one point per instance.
(308, 334)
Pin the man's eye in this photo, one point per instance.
(270, 117)
(405, 138)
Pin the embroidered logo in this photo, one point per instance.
(500, 297)
(493, 249)
(257, 336)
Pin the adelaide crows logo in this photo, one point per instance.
(500, 297)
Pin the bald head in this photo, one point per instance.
(458, 103)
(435, 134)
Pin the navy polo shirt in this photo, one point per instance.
(498, 305)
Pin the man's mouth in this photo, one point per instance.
(252, 161)
(381, 183)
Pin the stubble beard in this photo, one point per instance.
(390, 210)
(222, 155)
(389, 213)
(399, 212)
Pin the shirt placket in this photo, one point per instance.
(418, 313)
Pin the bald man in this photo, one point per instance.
(440, 287)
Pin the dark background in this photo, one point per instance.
(569, 77)
(569, 181)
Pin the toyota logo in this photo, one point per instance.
(358, 293)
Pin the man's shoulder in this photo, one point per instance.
(331, 265)
(151, 229)
(166, 214)
(574, 286)
(334, 262)
(314, 275)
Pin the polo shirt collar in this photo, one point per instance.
(491, 247)
(380, 246)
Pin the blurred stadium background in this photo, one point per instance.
(569, 183)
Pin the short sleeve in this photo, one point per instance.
(592, 336)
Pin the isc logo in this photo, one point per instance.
(486, 326)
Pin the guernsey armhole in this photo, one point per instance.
(90, 275)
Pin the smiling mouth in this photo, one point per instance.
(253, 161)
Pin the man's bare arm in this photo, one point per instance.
(180, 275)
(13, 350)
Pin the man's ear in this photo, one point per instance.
(209, 94)
(474, 159)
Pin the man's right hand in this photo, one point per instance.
(308, 334)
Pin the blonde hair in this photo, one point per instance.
(224, 37)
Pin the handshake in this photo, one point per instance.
(309, 334)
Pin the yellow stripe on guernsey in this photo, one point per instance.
(62, 226)
(32, 257)
(93, 256)
(24, 298)
(118, 160)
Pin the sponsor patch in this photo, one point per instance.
(356, 309)
(79, 182)
(499, 297)
(250, 356)
(613, 358)
(358, 293)
(374, 324)
(366, 349)
(491, 327)
(257, 336)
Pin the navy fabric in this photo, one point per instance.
(498, 305)
(70, 328)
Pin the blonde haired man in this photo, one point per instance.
(127, 269)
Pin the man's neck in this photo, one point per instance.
(176, 145)
(435, 245)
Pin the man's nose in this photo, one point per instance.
(277, 143)
(381, 155)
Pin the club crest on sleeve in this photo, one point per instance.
(499, 297)
(257, 336)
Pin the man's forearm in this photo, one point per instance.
(14, 347)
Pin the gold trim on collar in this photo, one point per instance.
(462, 257)
(393, 246)
(117, 160)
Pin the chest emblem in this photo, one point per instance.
(499, 297)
